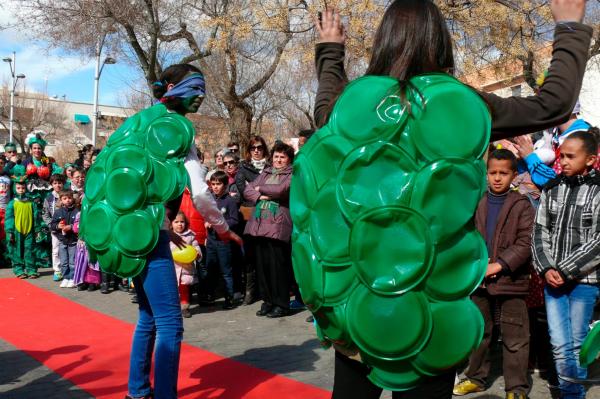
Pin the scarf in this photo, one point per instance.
(260, 164)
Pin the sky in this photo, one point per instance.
(59, 73)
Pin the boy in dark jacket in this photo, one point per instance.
(218, 252)
(62, 225)
(505, 219)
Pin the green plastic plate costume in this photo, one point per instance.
(140, 169)
(384, 247)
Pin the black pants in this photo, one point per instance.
(350, 381)
(273, 259)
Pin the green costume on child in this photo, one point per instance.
(384, 248)
(23, 226)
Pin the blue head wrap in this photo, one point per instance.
(191, 86)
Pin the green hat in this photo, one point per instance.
(18, 173)
(36, 139)
(10, 145)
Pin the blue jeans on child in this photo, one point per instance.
(66, 253)
(159, 328)
(218, 253)
(570, 310)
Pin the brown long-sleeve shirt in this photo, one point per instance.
(511, 116)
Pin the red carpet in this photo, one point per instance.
(91, 350)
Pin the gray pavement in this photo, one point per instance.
(285, 346)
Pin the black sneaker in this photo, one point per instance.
(92, 287)
(134, 298)
(82, 287)
(186, 313)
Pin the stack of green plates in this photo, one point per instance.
(140, 169)
(384, 247)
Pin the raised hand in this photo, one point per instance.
(330, 27)
(568, 10)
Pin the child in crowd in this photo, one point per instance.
(566, 253)
(51, 204)
(62, 225)
(504, 218)
(186, 272)
(218, 252)
(4, 200)
(87, 275)
(77, 182)
(23, 228)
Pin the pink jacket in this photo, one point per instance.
(186, 273)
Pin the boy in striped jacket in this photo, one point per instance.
(566, 253)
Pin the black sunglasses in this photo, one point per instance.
(229, 163)
(256, 147)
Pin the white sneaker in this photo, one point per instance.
(71, 284)
(64, 283)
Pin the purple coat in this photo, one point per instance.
(272, 218)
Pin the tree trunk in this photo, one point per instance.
(240, 123)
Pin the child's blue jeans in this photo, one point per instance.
(218, 253)
(66, 253)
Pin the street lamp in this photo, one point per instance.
(99, 68)
(14, 80)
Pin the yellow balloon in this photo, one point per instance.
(186, 255)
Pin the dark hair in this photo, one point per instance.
(232, 155)
(221, 176)
(590, 139)
(504, 155)
(233, 143)
(412, 39)
(59, 178)
(21, 183)
(306, 133)
(66, 193)
(172, 75)
(78, 169)
(280, 146)
(253, 141)
(185, 219)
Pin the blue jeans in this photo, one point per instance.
(218, 253)
(159, 328)
(66, 253)
(570, 309)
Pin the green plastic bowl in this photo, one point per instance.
(390, 328)
(391, 249)
(375, 175)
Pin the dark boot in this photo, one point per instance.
(228, 304)
(251, 289)
(265, 309)
(104, 283)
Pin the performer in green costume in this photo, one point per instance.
(383, 195)
(39, 169)
(23, 226)
(132, 192)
